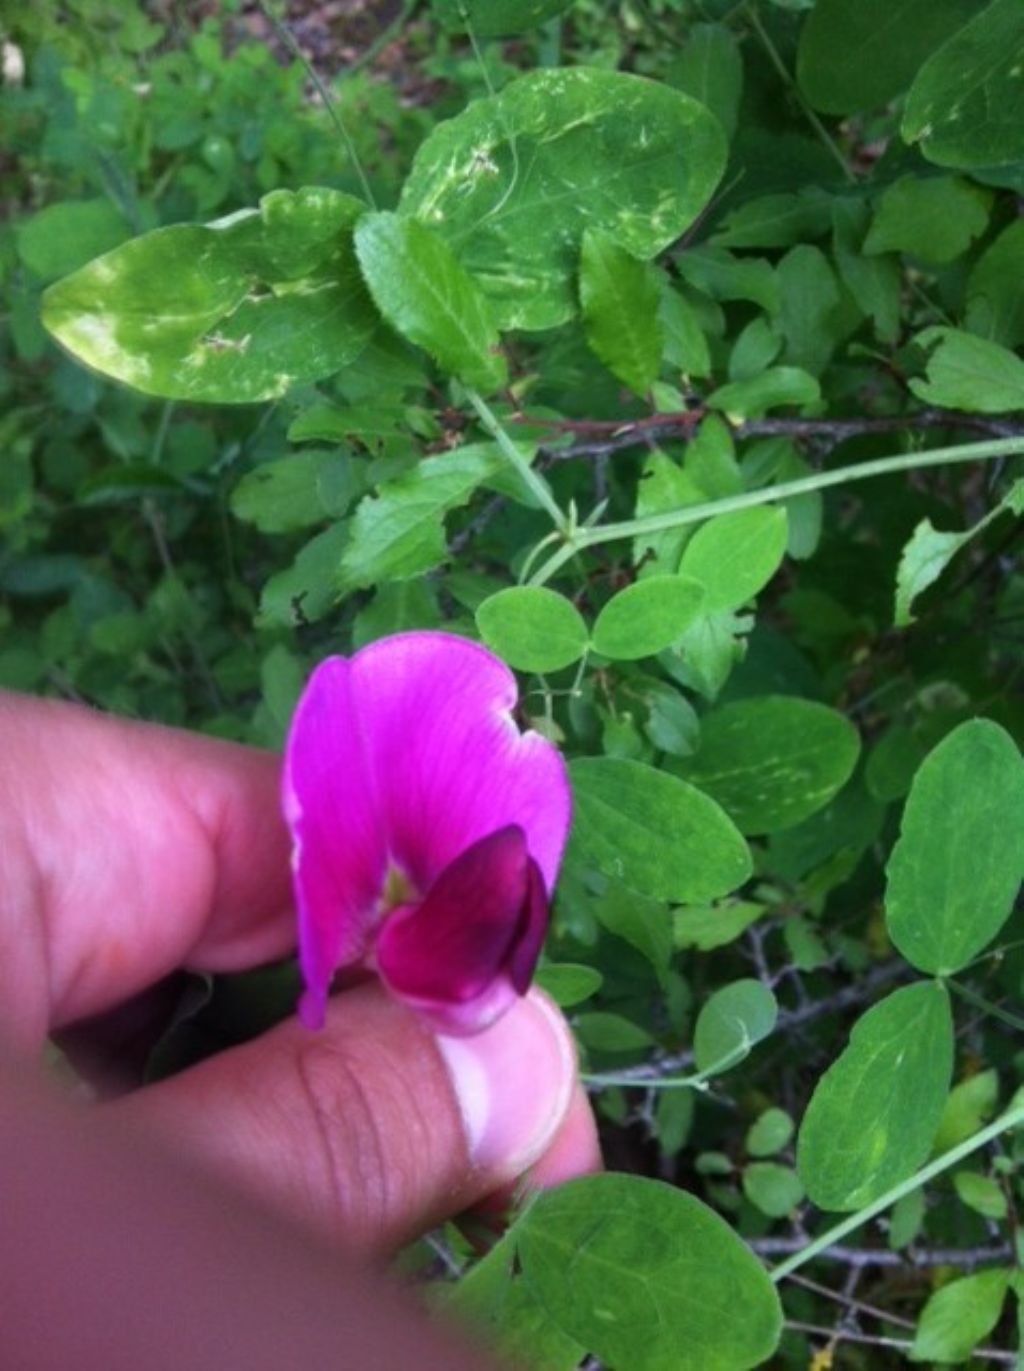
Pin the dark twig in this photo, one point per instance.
(965, 1257)
(897, 1344)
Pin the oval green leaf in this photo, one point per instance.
(424, 292)
(514, 180)
(647, 1277)
(733, 1020)
(647, 617)
(532, 628)
(773, 760)
(620, 300)
(736, 555)
(957, 865)
(229, 313)
(654, 832)
(873, 1118)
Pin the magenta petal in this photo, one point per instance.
(454, 944)
(340, 850)
(449, 762)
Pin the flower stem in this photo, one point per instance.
(972, 997)
(821, 480)
(1013, 1118)
(534, 481)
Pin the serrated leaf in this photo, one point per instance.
(935, 218)
(655, 832)
(856, 57)
(957, 1317)
(399, 531)
(773, 760)
(306, 590)
(647, 1277)
(425, 293)
(736, 555)
(969, 373)
(297, 491)
(647, 617)
(735, 1019)
(532, 628)
(231, 312)
(966, 106)
(620, 300)
(515, 179)
(956, 868)
(874, 1114)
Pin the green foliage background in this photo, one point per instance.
(672, 349)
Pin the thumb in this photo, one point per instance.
(375, 1129)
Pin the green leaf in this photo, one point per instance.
(497, 18)
(774, 1189)
(706, 927)
(966, 106)
(532, 628)
(736, 1018)
(773, 760)
(515, 179)
(809, 316)
(982, 1194)
(620, 300)
(307, 589)
(603, 1032)
(568, 983)
(231, 313)
(663, 486)
(776, 221)
(61, 238)
(724, 276)
(648, 1278)
(672, 724)
(969, 1106)
(297, 491)
(736, 555)
(875, 283)
(874, 1114)
(854, 57)
(643, 923)
(399, 532)
(959, 1316)
(956, 867)
(891, 764)
(774, 388)
(970, 373)
(655, 832)
(685, 345)
(707, 652)
(424, 292)
(710, 69)
(769, 1133)
(995, 289)
(647, 617)
(935, 218)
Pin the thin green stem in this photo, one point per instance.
(533, 480)
(862, 471)
(697, 1081)
(996, 1011)
(819, 128)
(1013, 1118)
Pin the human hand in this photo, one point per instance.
(130, 850)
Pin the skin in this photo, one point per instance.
(233, 1205)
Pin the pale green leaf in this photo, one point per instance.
(773, 389)
(297, 491)
(736, 1018)
(568, 983)
(646, 617)
(532, 628)
(982, 1194)
(709, 926)
(736, 555)
(970, 1105)
(769, 1133)
(774, 1189)
(959, 1316)
(969, 373)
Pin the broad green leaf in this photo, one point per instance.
(709, 926)
(906, 1219)
(297, 491)
(704, 657)
(995, 289)
(957, 865)
(711, 460)
(424, 292)
(532, 628)
(966, 106)
(854, 57)
(685, 345)
(874, 1114)
(724, 276)
(754, 350)
(604, 1032)
(61, 238)
(497, 18)
(620, 300)
(647, 617)
(935, 218)
(776, 221)
(307, 589)
(773, 760)
(736, 555)
(982, 1194)
(769, 1133)
(568, 983)
(710, 69)
(654, 832)
(970, 1105)
(672, 723)
(774, 1189)
(514, 180)
(502, 1305)
(399, 531)
(809, 317)
(959, 1316)
(970, 373)
(648, 1278)
(663, 486)
(876, 282)
(397, 607)
(234, 312)
(643, 923)
(736, 1018)
(774, 388)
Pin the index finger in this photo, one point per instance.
(127, 850)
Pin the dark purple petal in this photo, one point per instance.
(533, 927)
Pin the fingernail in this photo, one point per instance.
(513, 1083)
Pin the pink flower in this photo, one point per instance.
(427, 829)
